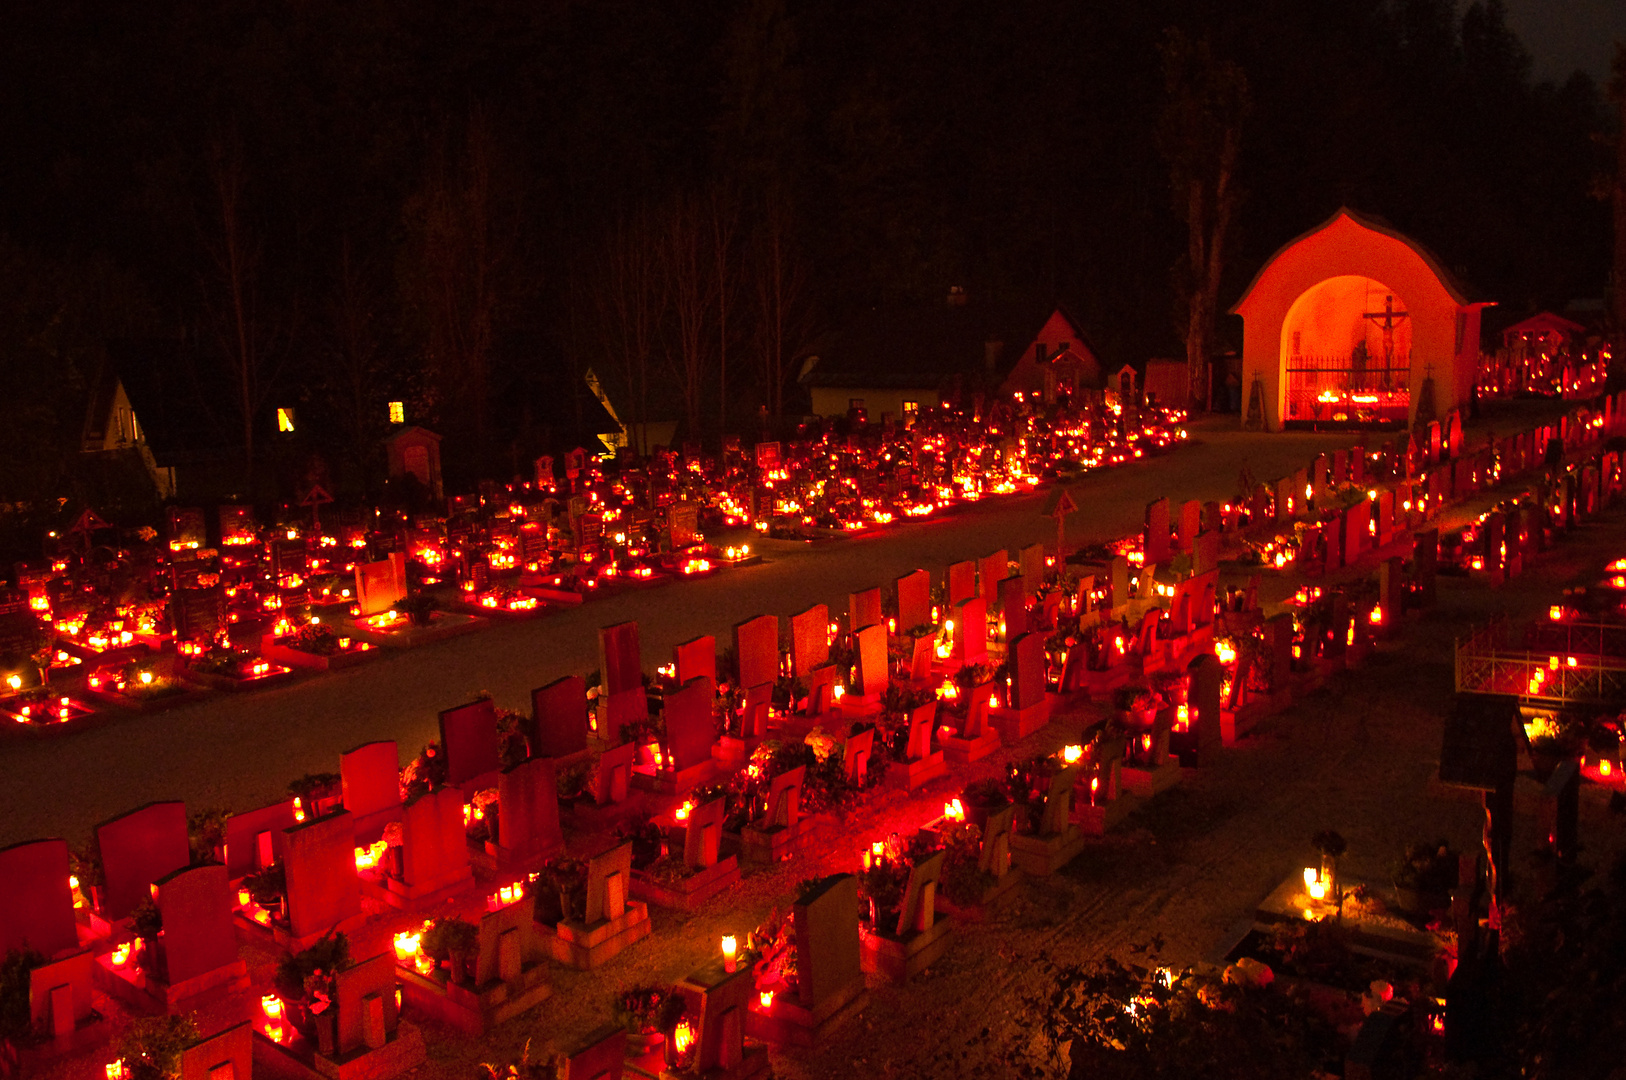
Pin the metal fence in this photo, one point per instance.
(1583, 672)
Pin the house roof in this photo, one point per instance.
(924, 345)
(1459, 292)
(1546, 323)
(169, 392)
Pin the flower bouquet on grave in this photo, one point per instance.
(897, 707)
(648, 839)
(455, 943)
(963, 880)
(147, 923)
(638, 1009)
(983, 798)
(206, 835)
(316, 638)
(958, 703)
(316, 795)
(306, 983)
(418, 607)
(86, 877)
(512, 746)
(266, 887)
(16, 1023)
(481, 817)
(1027, 783)
(151, 1048)
(424, 773)
(559, 892)
(885, 878)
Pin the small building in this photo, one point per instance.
(1355, 324)
(900, 360)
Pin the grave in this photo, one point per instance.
(970, 636)
(468, 738)
(527, 820)
(829, 969)
(962, 582)
(370, 777)
(914, 602)
(196, 951)
(601, 1055)
(864, 608)
(1160, 770)
(612, 921)
(36, 901)
(690, 731)
(705, 873)
(718, 1002)
(61, 1005)
(371, 1041)
(756, 648)
(991, 570)
(1201, 743)
(696, 659)
(921, 764)
(612, 774)
(434, 851)
(874, 665)
(975, 737)
(855, 755)
(1029, 707)
(1013, 601)
(559, 723)
(921, 935)
(623, 699)
(1031, 562)
(782, 829)
(323, 894)
(137, 849)
(1103, 804)
(1055, 841)
(510, 976)
(1188, 525)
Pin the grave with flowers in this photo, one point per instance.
(685, 879)
(977, 868)
(902, 932)
(709, 1018)
(472, 976)
(314, 643)
(149, 683)
(187, 946)
(1146, 719)
(589, 909)
(808, 972)
(1043, 837)
(336, 1019)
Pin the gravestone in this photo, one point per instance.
(1031, 561)
(1286, 505)
(381, 585)
(364, 995)
(370, 776)
(690, 731)
(252, 837)
(1207, 676)
(319, 861)
(600, 1056)
(1357, 529)
(434, 846)
(559, 717)
(1155, 539)
(995, 856)
(829, 967)
(1013, 599)
(1119, 569)
(1027, 666)
(918, 912)
(1207, 556)
(1391, 586)
(810, 639)
(1340, 467)
(1190, 522)
(874, 666)
(61, 995)
(719, 1002)
(1426, 559)
(1386, 518)
(855, 754)
(991, 570)
(528, 817)
(199, 940)
(226, 1055)
(1357, 465)
(962, 581)
(970, 632)
(696, 659)
(137, 849)
(756, 647)
(609, 875)
(36, 902)
(914, 601)
(703, 834)
(612, 775)
(864, 609)
(468, 738)
(1318, 479)
(620, 665)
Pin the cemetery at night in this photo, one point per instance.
(587, 541)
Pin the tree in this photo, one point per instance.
(691, 290)
(236, 256)
(1201, 139)
(780, 286)
(628, 303)
(1617, 91)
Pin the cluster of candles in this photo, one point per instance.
(409, 949)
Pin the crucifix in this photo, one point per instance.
(1389, 316)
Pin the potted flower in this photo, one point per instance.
(455, 943)
(151, 1047)
(305, 981)
(560, 892)
(638, 1010)
(267, 886)
(984, 798)
(147, 923)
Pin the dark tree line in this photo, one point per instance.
(338, 205)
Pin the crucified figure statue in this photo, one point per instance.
(1388, 316)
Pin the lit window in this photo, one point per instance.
(285, 419)
(397, 412)
(855, 403)
(911, 408)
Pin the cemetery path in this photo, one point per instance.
(238, 751)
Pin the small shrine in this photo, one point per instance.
(1355, 325)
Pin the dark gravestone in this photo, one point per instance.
(810, 639)
(1189, 523)
(1013, 600)
(365, 997)
(559, 717)
(251, 837)
(874, 666)
(696, 659)
(1386, 518)
(1357, 530)
(864, 609)
(1561, 809)
(196, 904)
(468, 737)
(319, 857)
(137, 849)
(370, 775)
(855, 754)
(689, 727)
(829, 967)
(226, 1055)
(991, 570)
(612, 774)
(1155, 540)
(1318, 478)
(1027, 659)
(36, 902)
(609, 877)
(1031, 561)
(1203, 703)
(434, 847)
(914, 601)
(703, 834)
(1286, 505)
(528, 795)
(1479, 749)
(508, 938)
(60, 994)
(1340, 466)
(1206, 558)
(1426, 558)
(619, 660)
(971, 632)
(962, 581)
(756, 647)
